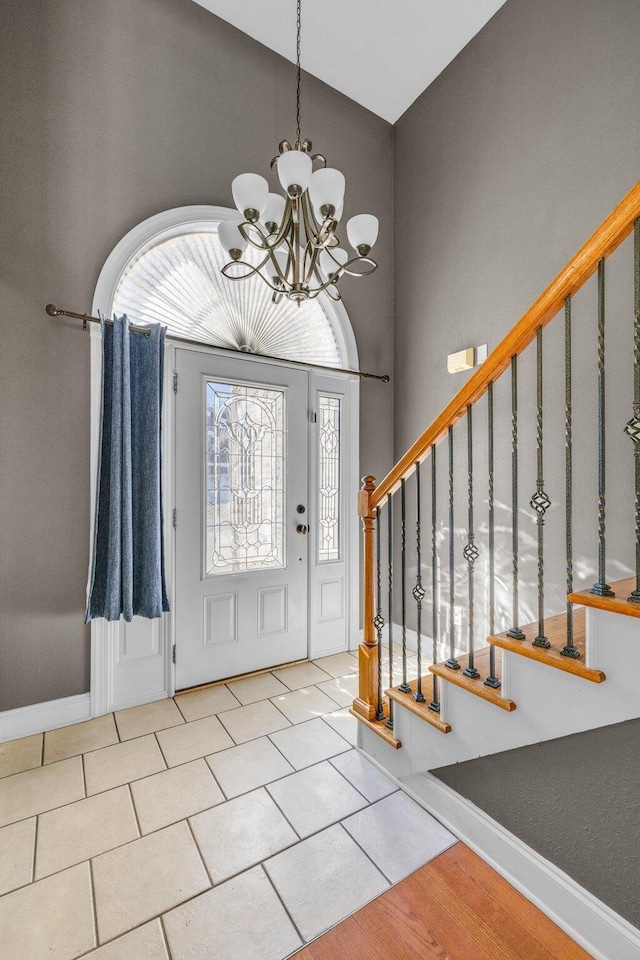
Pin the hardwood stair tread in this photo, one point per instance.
(556, 632)
(420, 709)
(617, 604)
(379, 727)
(477, 686)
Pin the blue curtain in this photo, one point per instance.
(127, 569)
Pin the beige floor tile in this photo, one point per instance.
(205, 702)
(308, 743)
(398, 835)
(343, 690)
(304, 704)
(175, 795)
(343, 723)
(252, 689)
(314, 798)
(83, 830)
(34, 791)
(241, 919)
(338, 665)
(248, 766)
(301, 675)
(143, 879)
(49, 920)
(19, 755)
(193, 740)
(144, 943)
(253, 721)
(16, 854)
(340, 881)
(147, 718)
(240, 833)
(366, 778)
(113, 766)
(79, 738)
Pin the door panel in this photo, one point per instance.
(241, 472)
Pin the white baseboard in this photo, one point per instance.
(24, 721)
(595, 926)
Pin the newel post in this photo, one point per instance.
(365, 703)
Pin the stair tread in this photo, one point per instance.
(420, 709)
(477, 686)
(556, 632)
(379, 727)
(617, 604)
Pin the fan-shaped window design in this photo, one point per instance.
(178, 282)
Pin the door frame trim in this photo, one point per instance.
(104, 635)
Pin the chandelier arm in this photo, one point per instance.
(361, 273)
(329, 287)
(285, 225)
(263, 245)
(243, 263)
(319, 156)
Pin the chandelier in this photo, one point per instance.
(299, 253)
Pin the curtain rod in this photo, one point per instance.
(86, 318)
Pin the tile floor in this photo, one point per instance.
(235, 821)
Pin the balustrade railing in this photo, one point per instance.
(479, 542)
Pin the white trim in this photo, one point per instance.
(39, 717)
(156, 229)
(596, 927)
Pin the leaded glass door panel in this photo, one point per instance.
(241, 545)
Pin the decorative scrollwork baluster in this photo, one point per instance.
(569, 649)
(601, 588)
(515, 632)
(404, 686)
(470, 552)
(435, 703)
(540, 501)
(418, 592)
(390, 607)
(632, 429)
(452, 663)
(492, 680)
(378, 623)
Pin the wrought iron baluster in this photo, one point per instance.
(418, 592)
(601, 588)
(632, 429)
(435, 703)
(569, 649)
(452, 663)
(540, 501)
(470, 552)
(390, 620)
(378, 622)
(515, 632)
(404, 686)
(492, 680)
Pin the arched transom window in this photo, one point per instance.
(178, 282)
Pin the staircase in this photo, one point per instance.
(487, 682)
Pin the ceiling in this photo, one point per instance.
(380, 53)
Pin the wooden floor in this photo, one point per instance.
(454, 908)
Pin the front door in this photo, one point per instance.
(242, 477)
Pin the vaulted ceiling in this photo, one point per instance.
(380, 53)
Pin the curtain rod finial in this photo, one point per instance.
(52, 310)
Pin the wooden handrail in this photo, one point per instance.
(609, 235)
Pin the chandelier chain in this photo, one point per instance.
(298, 26)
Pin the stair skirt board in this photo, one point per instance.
(591, 923)
(39, 717)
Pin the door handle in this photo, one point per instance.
(302, 528)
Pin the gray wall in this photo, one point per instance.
(113, 111)
(503, 168)
(575, 800)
